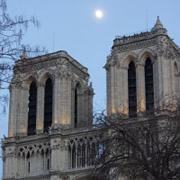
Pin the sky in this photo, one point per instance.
(71, 25)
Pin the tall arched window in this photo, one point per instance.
(76, 104)
(48, 105)
(132, 90)
(176, 82)
(149, 86)
(32, 109)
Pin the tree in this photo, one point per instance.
(140, 149)
(12, 30)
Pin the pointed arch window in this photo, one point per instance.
(48, 104)
(149, 87)
(32, 109)
(77, 104)
(132, 90)
(176, 82)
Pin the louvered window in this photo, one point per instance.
(48, 105)
(132, 90)
(149, 86)
(32, 109)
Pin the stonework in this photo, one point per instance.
(48, 155)
(165, 57)
(64, 152)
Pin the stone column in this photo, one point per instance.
(65, 100)
(116, 87)
(14, 110)
(158, 82)
(55, 154)
(68, 106)
(125, 90)
(64, 155)
(56, 100)
(174, 91)
(112, 109)
(23, 116)
(120, 91)
(166, 84)
(40, 109)
(10, 162)
(141, 97)
(108, 90)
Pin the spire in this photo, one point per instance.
(24, 55)
(158, 25)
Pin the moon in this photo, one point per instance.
(99, 14)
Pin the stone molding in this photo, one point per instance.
(135, 45)
(57, 63)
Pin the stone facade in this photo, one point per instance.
(49, 154)
(165, 57)
(65, 151)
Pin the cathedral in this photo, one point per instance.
(51, 135)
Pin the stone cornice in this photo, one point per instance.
(16, 141)
(118, 41)
(50, 60)
(135, 45)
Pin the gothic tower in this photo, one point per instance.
(143, 74)
(50, 135)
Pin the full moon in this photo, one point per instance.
(99, 14)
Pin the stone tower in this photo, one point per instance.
(143, 73)
(50, 135)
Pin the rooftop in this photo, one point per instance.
(158, 29)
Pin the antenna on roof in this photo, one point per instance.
(53, 41)
(147, 20)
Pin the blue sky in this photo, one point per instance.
(71, 25)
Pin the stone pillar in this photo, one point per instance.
(55, 154)
(12, 111)
(167, 78)
(108, 90)
(23, 116)
(174, 90)
(65, 100)
(116, 87)
(158, 83)
(10, 163)
(125, 101)
(64, 155)
(68, 107)
(113, 106)
(81, 109)
(120, 90)
(141, 96)
(56, 100)
(40, 109)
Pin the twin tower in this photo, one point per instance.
(51, 134)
